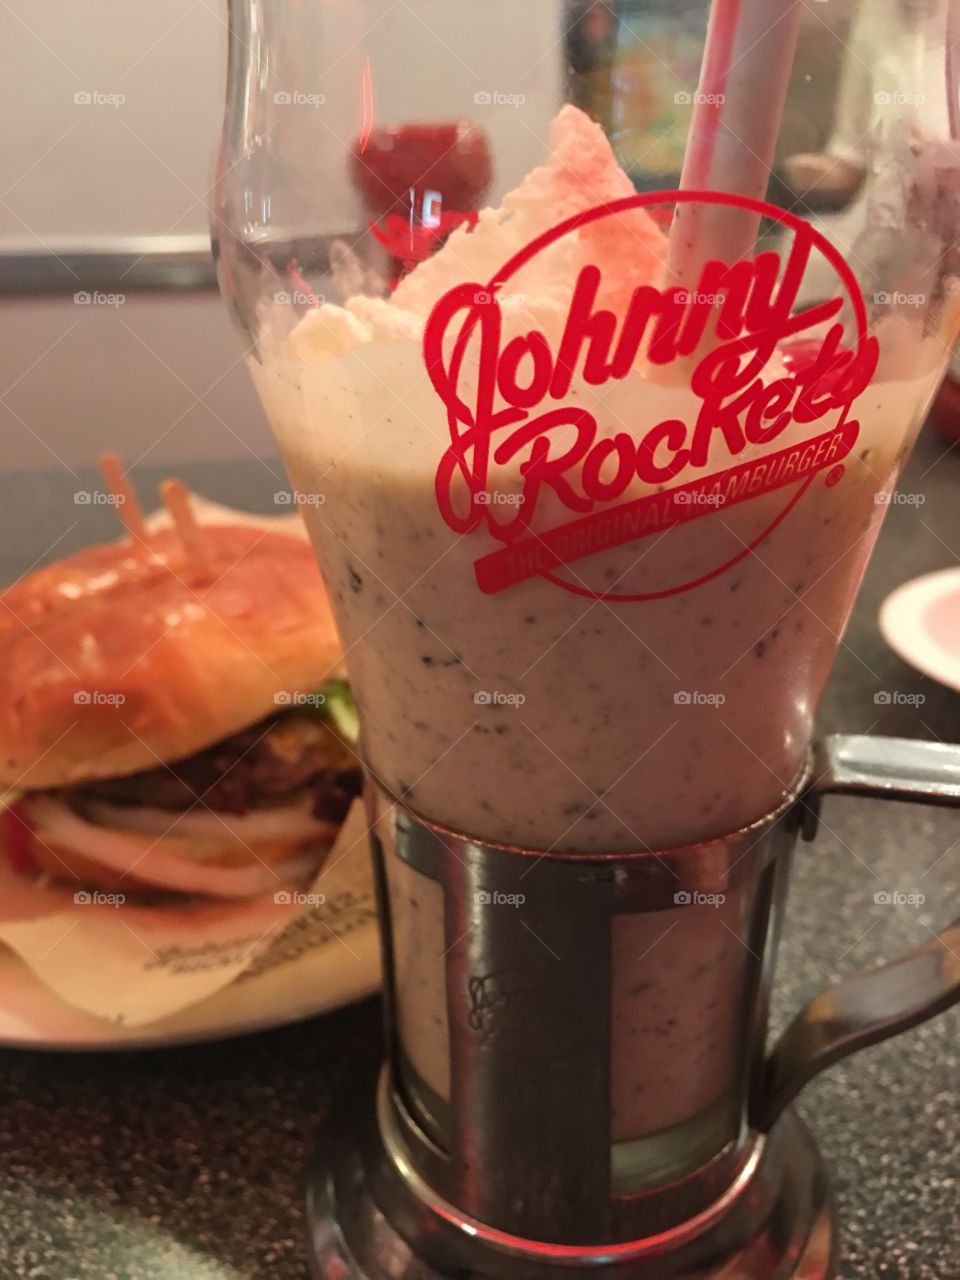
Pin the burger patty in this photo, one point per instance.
(259, 767)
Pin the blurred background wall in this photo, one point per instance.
(157, 374)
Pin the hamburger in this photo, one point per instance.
(172, 717)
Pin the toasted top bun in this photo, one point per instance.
(126, 655)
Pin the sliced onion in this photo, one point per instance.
(289, 822)
(165, 863)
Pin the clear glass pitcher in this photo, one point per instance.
(594, 338)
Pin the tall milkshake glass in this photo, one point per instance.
(593, 484)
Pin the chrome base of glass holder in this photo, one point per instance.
(370, 1218)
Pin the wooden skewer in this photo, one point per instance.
(128, 508)
(176, 498)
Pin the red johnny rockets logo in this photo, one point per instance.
(521, 414)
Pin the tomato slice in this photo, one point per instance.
(17, 836)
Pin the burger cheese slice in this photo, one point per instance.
(171, 717)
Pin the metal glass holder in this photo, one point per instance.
(494, 1148)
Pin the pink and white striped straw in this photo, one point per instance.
(736, 121)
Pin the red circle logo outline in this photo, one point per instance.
(645, 200)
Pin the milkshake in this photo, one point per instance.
(606, 628)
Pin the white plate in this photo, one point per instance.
(920, 621)
(32, 1017)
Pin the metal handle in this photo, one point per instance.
(881, 1002)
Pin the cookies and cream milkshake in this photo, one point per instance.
(592, 544)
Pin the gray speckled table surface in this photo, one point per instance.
(188, 1164)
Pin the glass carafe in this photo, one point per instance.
(594, 339)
